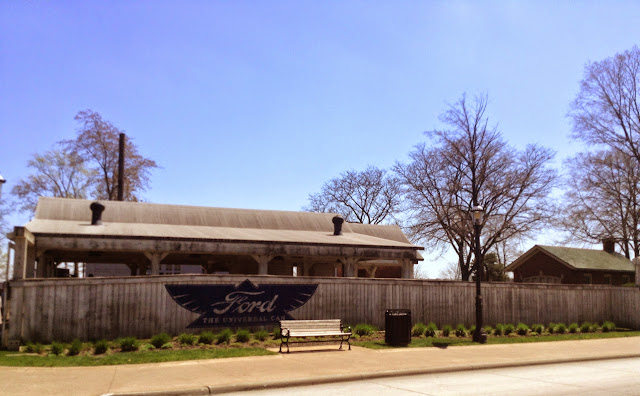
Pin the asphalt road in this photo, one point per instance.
(604, 377)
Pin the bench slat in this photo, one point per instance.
(313, 328)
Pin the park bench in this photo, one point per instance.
(327, 328)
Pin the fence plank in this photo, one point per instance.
(94, 308)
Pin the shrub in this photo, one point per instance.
(586, 327)
(75, 347)
(418, 329)
(508, 329)
(522, 329)
(277, 333)
(128, 344)
(446, 330)
(431, 330)
(363, 329)
(243, 335)
(260, 335)
(573, 328)
(488, 330)
(537, 328)
(159, 340)
(461, 331)
(560, 328)
(206, 337)
(57, 348)
(33, 348)
(186, 339)
(100, 347)
(499, 330)
(551, 327)
(608, 326)
(224, 336)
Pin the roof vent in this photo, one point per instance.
(96, 213)
(337, 225)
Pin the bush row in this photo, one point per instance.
(158, 341)
(431, 330)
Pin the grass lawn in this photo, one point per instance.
(443, 342)
(155, 356)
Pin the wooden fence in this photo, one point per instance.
(93, 308)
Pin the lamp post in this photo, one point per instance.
(479, 334)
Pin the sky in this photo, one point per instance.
(256, 104)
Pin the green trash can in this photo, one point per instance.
(397, 327)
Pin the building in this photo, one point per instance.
(147, 239)
(555, 264)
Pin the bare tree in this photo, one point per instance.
(602, 200)
(55, 174)
(451, 272)
(467, 165)
(97, 144)
(606, 111)
(371, 196)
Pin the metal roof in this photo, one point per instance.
(72, 217)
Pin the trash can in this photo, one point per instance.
(397, 327)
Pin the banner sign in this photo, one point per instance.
(244, 305)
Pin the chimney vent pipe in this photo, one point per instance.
(96, 213)
(609, 245)
(337, 225)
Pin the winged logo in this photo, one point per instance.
(242, 305)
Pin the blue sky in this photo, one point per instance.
(256, 104)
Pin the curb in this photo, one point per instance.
(219, 389)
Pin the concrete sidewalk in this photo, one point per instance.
(303, 366)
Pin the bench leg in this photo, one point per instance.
(284, 340)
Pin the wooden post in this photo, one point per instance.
(24, 253)
(407, 268)
(350, 266)
(636, 261)
(155, 258)
(263, 263)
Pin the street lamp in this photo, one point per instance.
(2, 181)
(479, 334)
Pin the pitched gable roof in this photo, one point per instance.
(576, 258)
(71, 217)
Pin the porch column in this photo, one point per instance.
(155, 258)
(24, 256)
(350, 265)
(306, 268)
(263, 263)
(371, 270)
(43, 261)
(407, 268)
